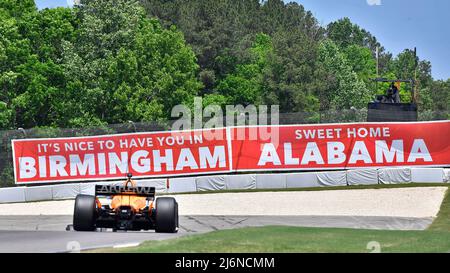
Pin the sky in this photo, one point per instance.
(397, 24)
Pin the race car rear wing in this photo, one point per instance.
(104, 190)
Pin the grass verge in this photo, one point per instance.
(276, 239)
(300, 240)
(442, 222)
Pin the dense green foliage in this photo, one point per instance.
(109, 62)
(102, 62)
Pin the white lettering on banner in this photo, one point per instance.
(335, 133)
(419, 151)
(208, 160)
(318, 133)
(144, 162)
(82, 146)
(27, 167)
(158, 160)
(298, 147)
(269, 155)
(179, 139)
(186, 160)
(139, 162)
(102, 164)
(288, 158)
(312, 154)
(116, 162)
(57, 165)
(136, 143)
(42, 166)
(113, 163)
(336, 153)
(81, 167)
(383, 151)
(371, 132)
(360, 153)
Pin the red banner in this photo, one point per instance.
(342, 146)
(235, 149)
(112, 157)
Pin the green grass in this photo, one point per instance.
(299, 240)
(442, 222)
(276, 239)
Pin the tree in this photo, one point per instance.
(5, 115)
(440, 97)
(112, 61)
(245, 85)
(216, 40)
(43, 83)
(291, 78)
(49, 29)
(222, 44)
(350, 91)
(100, 62)
(123, 66)
(39, 81)
(346, 34)
(362, 62)
(18, 8)
(15, 50)
(408, 66)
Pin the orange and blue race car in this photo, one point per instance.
(125, 207)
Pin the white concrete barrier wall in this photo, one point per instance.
(362, 177)
(160, 185)
(65, 191)
(211, 183)
(332, 179)
(12, 195)
(302, 180)
(422, 175)
(240, 182)
(271, 181)
(447, 175)
(38, 193)
(180, 185)
(87, 188)
(394, 176)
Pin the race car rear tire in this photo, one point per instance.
(166, 215)
(85, 213)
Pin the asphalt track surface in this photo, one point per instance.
(44, 234)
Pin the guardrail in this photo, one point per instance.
(240, 182)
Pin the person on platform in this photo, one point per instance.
(392, 94)
(396, 88)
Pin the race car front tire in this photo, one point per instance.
(166, 215)
(84, 214)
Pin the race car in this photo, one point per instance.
(125, 207)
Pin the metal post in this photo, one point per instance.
(378, 62)
(23, 132)
(134, 125)
(416, 63)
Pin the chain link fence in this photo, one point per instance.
(6, 163)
